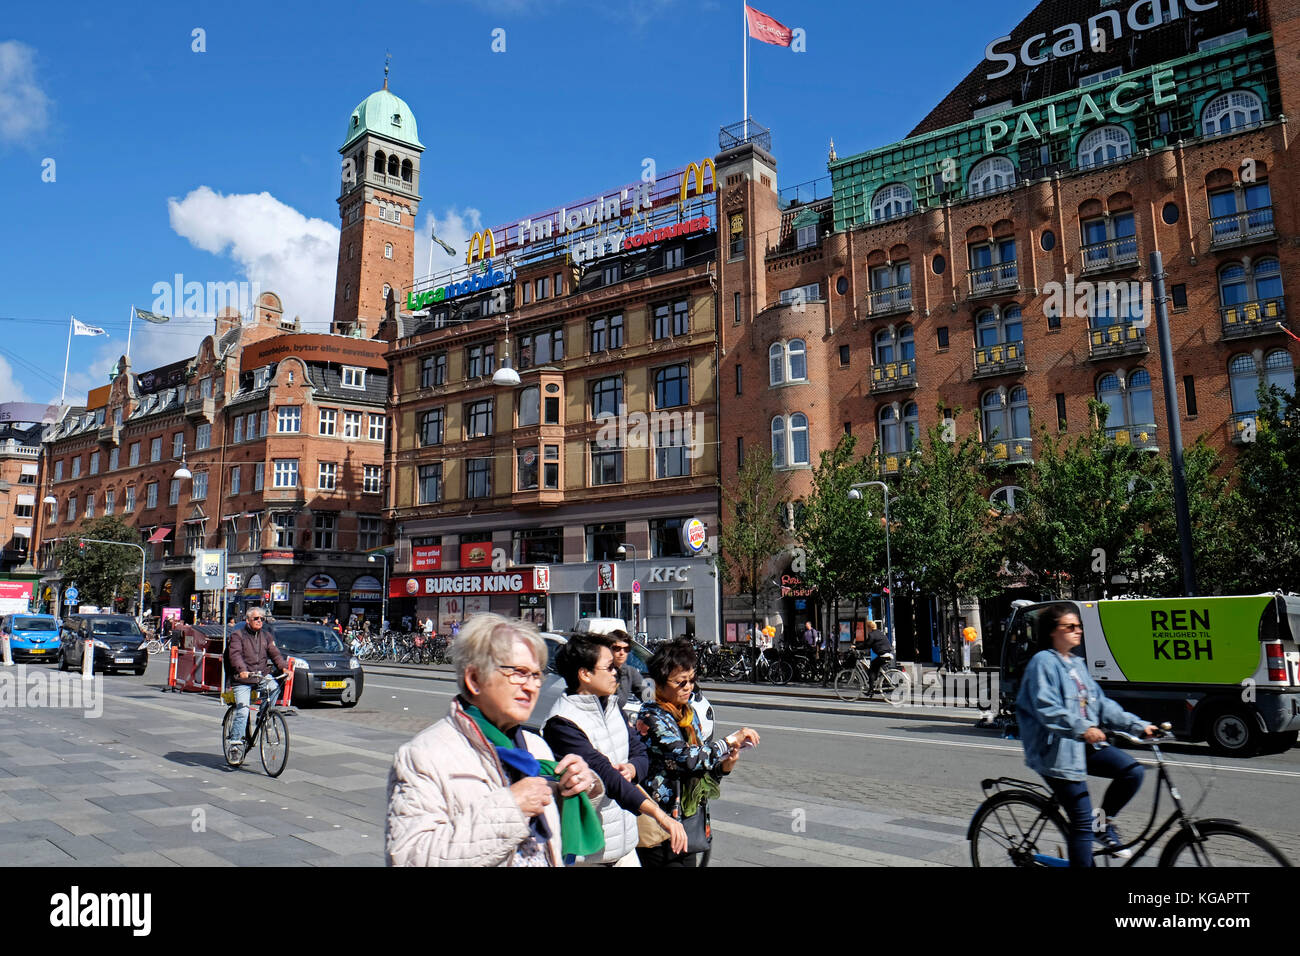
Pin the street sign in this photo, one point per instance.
(232, 581)
(209, 569)
(71, 595)
(636, 587)
(636, 597)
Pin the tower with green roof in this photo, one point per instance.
(379, 198)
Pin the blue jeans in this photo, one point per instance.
(243, 693)
(1125, 774)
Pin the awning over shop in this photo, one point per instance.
(159, 535)
(320, 587)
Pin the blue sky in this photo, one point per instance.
(222, 164)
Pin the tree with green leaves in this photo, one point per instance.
(753, 529)
(841, 541)
(1269, 481)
(947, 540)
(1081, 514)
(101, 572)
(1217, 514)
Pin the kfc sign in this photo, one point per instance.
(426, 558)
(607, 576)
(542, 577)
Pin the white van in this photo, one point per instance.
(1221, 669)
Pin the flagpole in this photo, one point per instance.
(130, 324)
(64, 394)
(744, 22)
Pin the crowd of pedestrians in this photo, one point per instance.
(476, 789)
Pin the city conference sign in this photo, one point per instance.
(1075, 37)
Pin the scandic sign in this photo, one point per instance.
(509, 582)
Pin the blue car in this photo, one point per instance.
(32, 637)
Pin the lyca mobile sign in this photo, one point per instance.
(1074, 38)
(488, 279)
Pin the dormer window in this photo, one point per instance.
(397, 119)
(354, 377)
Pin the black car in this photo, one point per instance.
(118, 641)
(324, 668)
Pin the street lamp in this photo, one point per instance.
(383, 614)
(506, 376)
(855, 494)
(636, 608)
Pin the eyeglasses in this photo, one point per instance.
(256, 619)
(612, 668)
(681, 683)
(520, 675)
(621, 648)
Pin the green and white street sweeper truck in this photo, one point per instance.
(1221, 669)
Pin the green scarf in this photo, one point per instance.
(581, 832)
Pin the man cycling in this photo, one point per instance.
(878, 642)
(250, 646)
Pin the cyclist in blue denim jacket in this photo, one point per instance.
(1061, 711)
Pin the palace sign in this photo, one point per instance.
(1075, 38)
(1063, 117)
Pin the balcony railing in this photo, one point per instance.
(110, 434)
(891, 463)
(1139, 436)
(1247, 319)
(1111, 254)
(890, 301)
(889, 376)
(1241, 428)
(999, 359)
(1126, 338)
(1008, 450)
(1253, 225)
(999, 277)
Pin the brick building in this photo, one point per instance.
(590, 463)
(283, 436)
(21, 425)
(952, 270)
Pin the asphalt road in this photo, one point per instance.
(832, 784)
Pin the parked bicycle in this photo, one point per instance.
(855, 682)
(1021, 824)
(268, 732)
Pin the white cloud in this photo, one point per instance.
(10, 389)
(24, 106)
(453, 228)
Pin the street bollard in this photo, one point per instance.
(87, 659)
(8, 653)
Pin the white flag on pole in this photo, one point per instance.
(81, 328)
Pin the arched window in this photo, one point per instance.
(992, 175)
(906, 344)
(1141, 409)
(898, 435)
(1243, 383)
(1231, 111)
(993, 417)
(912, 426)
(394, 167)
(407, 170)
(380, 162)
(884, 347)
(787, 362)
(1106, 144)
(1258, 287)
(1233, 287)
(891, 202)
(798, 439)
(1280, 371)
(993, 329)
(529, 406)
(388, 250)
(1018, 412)
(778, 442)
(1005, 498)
(387, 289)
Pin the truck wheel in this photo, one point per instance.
(1232, 732)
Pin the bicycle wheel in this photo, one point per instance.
(1221, 844)
(154, 647)
(274, 744)
(782, 672)
(225, 735)
(896, 687)
(1018, 828)
(848, 684)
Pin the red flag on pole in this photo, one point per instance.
(764, 28)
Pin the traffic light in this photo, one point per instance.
(81, 545)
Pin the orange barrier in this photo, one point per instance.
(287, 699)
(201, 677)
(171, 670)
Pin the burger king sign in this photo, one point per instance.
(695, 535)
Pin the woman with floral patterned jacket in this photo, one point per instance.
(685, 770)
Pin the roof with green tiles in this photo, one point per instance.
(1157, 105)
(386, 115)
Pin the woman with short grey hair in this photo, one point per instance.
(475, 789)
